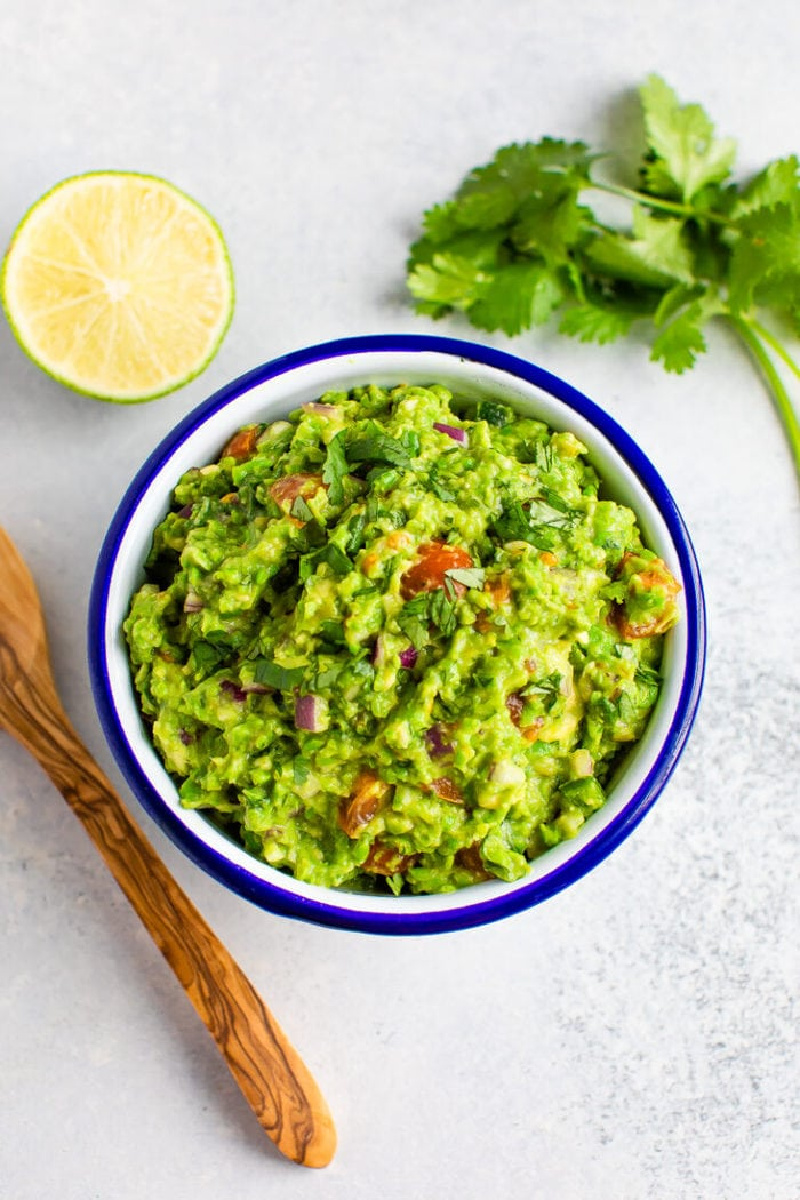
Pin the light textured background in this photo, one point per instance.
(634, 1038)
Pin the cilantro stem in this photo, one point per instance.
(749, 331)
(670, 206)
(772, 341)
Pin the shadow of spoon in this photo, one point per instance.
(270, 1073)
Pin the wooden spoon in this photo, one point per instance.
(275, 1082)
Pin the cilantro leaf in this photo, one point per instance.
(437, 608)
(593, 323)
(443, 611)
(335, 469)
(512, 525)
(283, 679)
(413, 619)
(555, 501)
(301, 511)
(681, 138)
(520, 295)
(206, 657)
(470, 577)
(490, 195)
(538, 522)
(448, 281)
(681, 338)
(440, 222)
(439, 489)
(494, 414)
(481, 248)
(331, 554)
(332, 632)
(547, 689)
(375, 446)
(552, 222)
(767, 251)
(356, 528)
(679, 342)
(325, 679)
(409, 440)
(337, 560)
(778, 183)
(655, 255)
(310, 536)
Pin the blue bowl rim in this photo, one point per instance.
(474, 912)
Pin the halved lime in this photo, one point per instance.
(119, 285)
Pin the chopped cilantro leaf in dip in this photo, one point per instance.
(398, 641)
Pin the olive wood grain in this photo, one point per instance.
(273, 1078)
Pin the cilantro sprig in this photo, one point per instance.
(519, 242)
(547, 690)
(438, 607)
(539, 521)
(371, 446)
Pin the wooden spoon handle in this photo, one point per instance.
(270, 1073)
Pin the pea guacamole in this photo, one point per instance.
(398, 641)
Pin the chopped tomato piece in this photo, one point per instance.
(447, 790)
(515, 704)
(428, 574)
(499, 590)
(387, 860)
(242, 445)
(531, 732)
(633, 620)
(548, 558)
(285, 491)
(470, 859)
(357, 810)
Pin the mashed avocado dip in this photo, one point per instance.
(398, 641)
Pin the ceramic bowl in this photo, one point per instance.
(270, 392)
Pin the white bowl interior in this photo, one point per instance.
(272, 400)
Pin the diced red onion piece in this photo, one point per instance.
(408, 657)
(458, 435)
(435, 744)
(192, 603)
(314, 406)
(254, 689)
(515, 705)
(379, 652)
(233, 690)
(307, 711)
(186, 511)
(186, 737)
